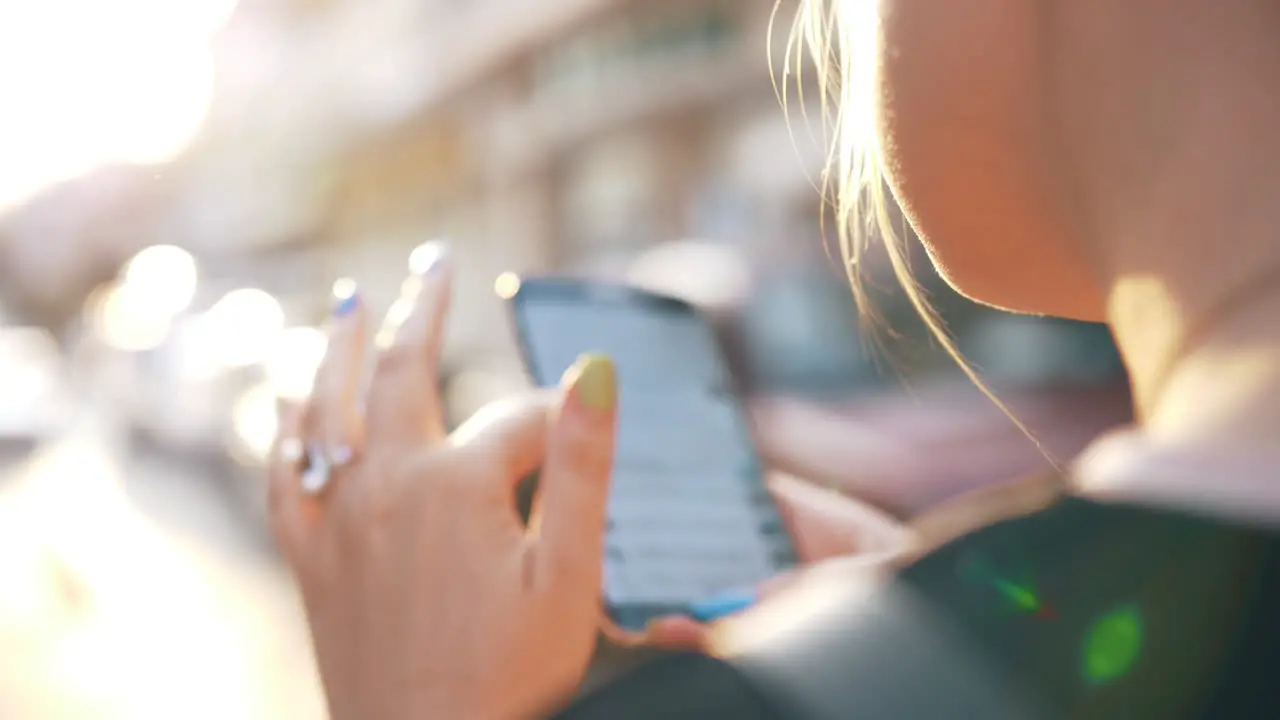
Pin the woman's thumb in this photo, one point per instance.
(575, 479)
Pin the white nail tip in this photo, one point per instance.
(426, 256)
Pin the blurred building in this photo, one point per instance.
(338, 136)
(572, 138)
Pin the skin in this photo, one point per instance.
(1093, 159)
(1145, 131)
(419, 503)
(1142, 132)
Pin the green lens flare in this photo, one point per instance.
(1113, 645)
(1023, 597)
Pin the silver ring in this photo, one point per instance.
(316, 471)
(340, 455)
(314, 463)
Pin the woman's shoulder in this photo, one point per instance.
(985, 507)
(1125, 471)
(1027, 600)
(1211, 476)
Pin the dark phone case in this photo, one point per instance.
(632, 616)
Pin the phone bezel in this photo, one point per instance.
(629, 616)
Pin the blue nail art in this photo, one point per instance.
(346, 305)
(721, 606)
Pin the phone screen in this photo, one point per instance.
(690, 517)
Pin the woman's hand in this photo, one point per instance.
(951, 450)
(426, 595)
(833, 534)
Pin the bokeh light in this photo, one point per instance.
(88, 83)
(242, 328)
(292, 366)
(254, 420)
(136, 312)
(507, 285)
(124, 320)
(165, 275)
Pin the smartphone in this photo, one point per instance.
(690, 519)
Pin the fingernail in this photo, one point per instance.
(346, 300)
(594, 380)
(721, 606)
(427, 257)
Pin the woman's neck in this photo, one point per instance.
(1177, 175)
(1214, 376)
(1178, 197)
(1206, 384)
(1220, 379)
(1192, 264)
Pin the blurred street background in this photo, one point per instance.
(183, 182)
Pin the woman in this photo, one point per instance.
(1090, 159)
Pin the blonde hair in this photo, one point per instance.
(839, 40)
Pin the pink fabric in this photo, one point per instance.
(906, 453)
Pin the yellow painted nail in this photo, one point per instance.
(595, 380)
